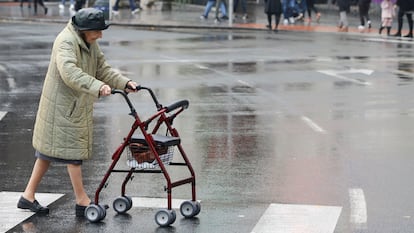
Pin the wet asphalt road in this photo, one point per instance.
(298, 118)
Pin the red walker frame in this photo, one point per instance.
(164, 217)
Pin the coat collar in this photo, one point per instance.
(76, 34)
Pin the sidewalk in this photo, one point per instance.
(188, 16)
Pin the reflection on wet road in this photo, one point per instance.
(295, 118)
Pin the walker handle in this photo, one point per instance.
(182, 103)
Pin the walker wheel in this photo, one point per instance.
(129, 200)
(95, 213)
(198, 204)
(190, 209)
(122, 204)
(165, 217)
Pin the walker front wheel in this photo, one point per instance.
(95, 213)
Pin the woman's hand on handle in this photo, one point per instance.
(131, 86)
(105, 90)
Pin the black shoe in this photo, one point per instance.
(398, 34)
(269, 27)
(32, 206)
(380, 30)
(410, 35)
(224, 17)
(80, 210)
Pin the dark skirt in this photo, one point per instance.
(53, 159)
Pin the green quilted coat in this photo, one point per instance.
(64, 126)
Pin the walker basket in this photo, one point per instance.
(141, 156)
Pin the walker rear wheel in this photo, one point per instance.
(190, 209)
(165, 217)
(122, 204)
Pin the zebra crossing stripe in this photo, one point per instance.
(289, 218)
(10, 215)
(2, 115)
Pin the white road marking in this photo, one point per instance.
(405, 73)
(245, 83)
(10, 215)
(2, 115)
(339, 74)
(358, 215)
(150, 202)
(288, 218)
(397, 41)
(312, 124)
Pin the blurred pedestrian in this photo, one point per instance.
(79, 4)
(29, 5)
(243, 6)
(221, 6)
(71, 6)
(344, 7)
(77, 76)
(310, 4)
(387, 15)
(300, 10)
(40, 2)
(132, 6)
(405, 7)
(273, 7)
(289, 10)
(363, 8)
(209, 6)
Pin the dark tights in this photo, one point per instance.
(400, 21)
(277, 20)
(35, 2)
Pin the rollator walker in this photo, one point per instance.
(149, 151)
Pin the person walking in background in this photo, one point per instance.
(132, 6)
(209, 6)
(300, 10)
(310, 4)
(344, 8)
(29, 4)
(77, 76)
(221, 6)
(62, 5)
(288, 9)
(40, 2)
(387, 14)
(404, 8)
(273, 7)
(79, 4)
(243, 6)
(363, 7)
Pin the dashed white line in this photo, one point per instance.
(313, 125)
(2, 115)
(358, 215)
(338, 74)
(245, 83)
(288, 218)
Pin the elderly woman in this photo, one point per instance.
(77, 75)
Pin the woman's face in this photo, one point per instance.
(92, 36)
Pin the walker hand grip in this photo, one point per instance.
(181, 103)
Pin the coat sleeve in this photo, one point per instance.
(71, 74)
